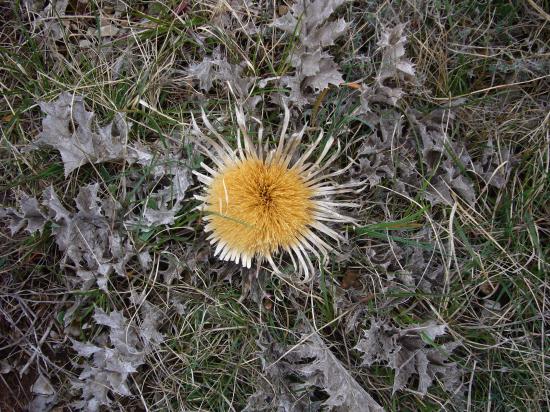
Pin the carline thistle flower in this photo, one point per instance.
(260, 201)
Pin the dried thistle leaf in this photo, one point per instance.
(310, 14)
(121, 355)
(327, 373)
(70, 129)
(317, 367)
(328, 73)
(495, 165)
(87, 236)
(149, 328)
(205, 71)
(394, 63)
(443, 158)
(216, 68)
(279, 393)
(161, 202)
(5, 367)
(47, 17)
(45, 395)
(42, 386)
(395, 69)
(406, 351)
(29, 216)
(314, 68)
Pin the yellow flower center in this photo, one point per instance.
(258, 208)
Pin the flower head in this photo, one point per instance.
(259, 202)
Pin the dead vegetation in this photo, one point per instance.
(110, 296)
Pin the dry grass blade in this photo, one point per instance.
(384, 165)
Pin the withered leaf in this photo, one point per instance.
(69, 128)
(315, 68)
(88, 237)
(408, 353)
(45, 395)
(29, 216)
(159, 203)
(317, 369)
(328, 373)
(120, 355)
(395, 69)
(394, 63)
(216, 68)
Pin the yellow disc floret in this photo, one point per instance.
(257, 207)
